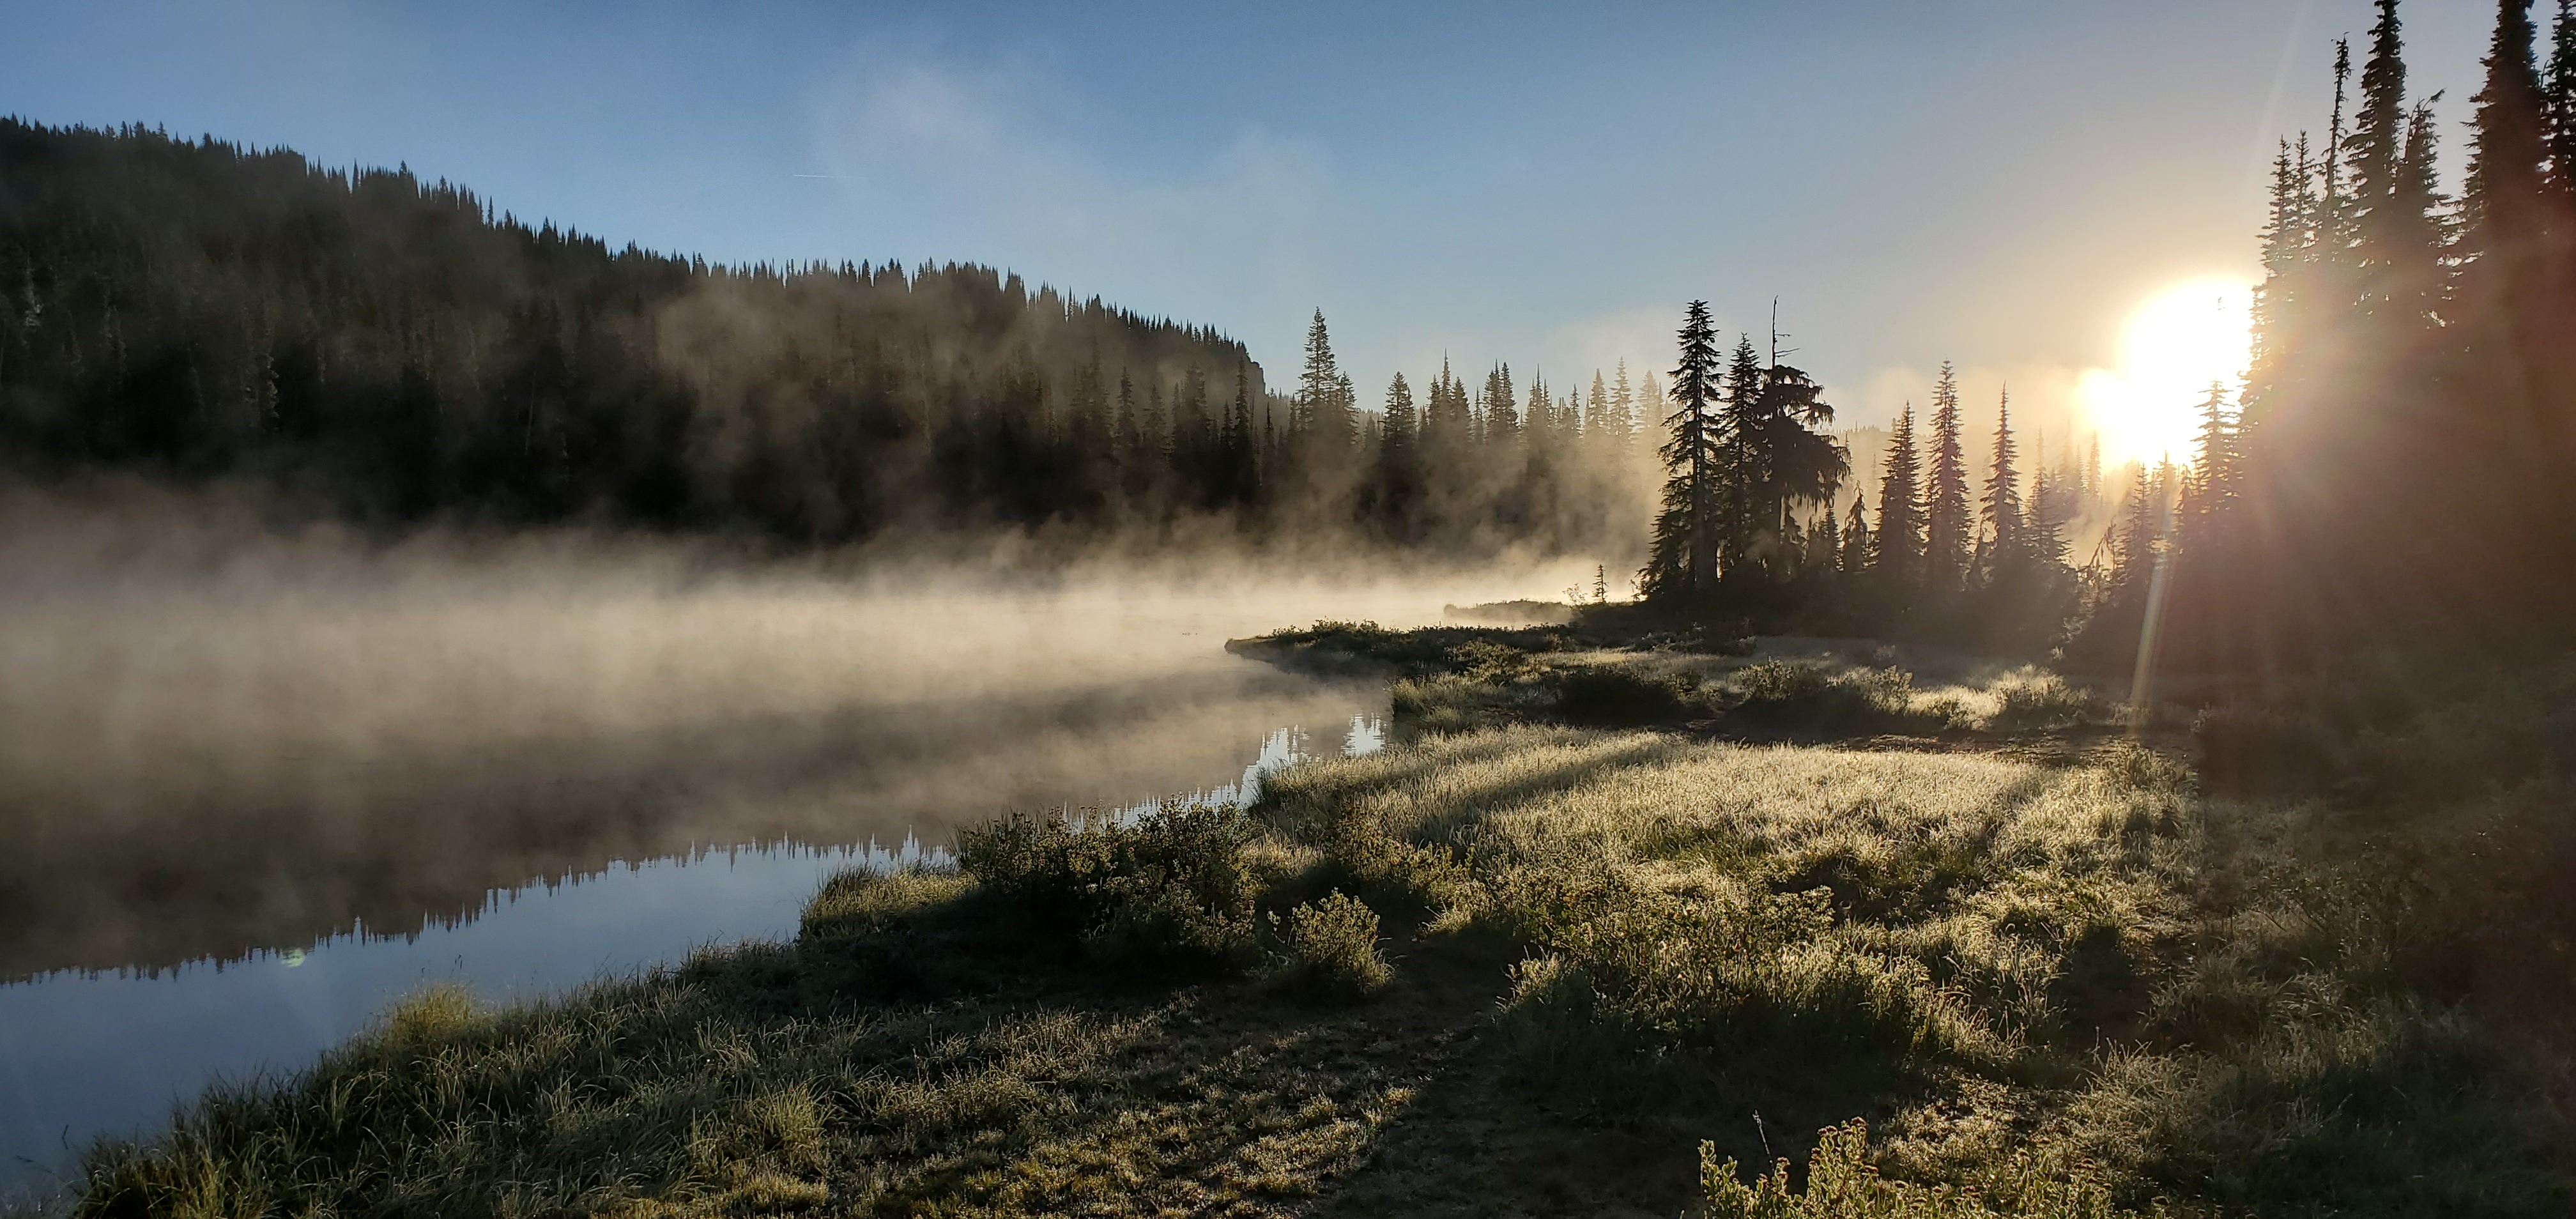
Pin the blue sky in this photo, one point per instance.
(1999, 183)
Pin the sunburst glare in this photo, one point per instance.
(2177, 343)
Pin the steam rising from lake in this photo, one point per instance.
(216, 736)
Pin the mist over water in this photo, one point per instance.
(236, 745)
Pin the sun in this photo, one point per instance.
(2180, 341)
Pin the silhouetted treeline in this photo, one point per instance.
(2395, 469)
(1750, 525)
(2400, 468)
(398, 350)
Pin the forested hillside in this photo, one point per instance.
(403, 353)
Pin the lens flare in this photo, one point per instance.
(2177, 343)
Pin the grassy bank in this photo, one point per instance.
(1619, 924)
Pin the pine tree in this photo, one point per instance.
(1400, 420)
(1825, 549)
(1945, 508)
(1502, 424)
(2214, 473)
(1596, 408)
(1740, 508)
(1898, 558)
(2043, 530)
(2397, 232)
(2560, 87)
(1317, 381)
(1623, 405)
(2282, 301)
(1856, 540)
(1684, 555)
(2503, 202)
(2001, 509)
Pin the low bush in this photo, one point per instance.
(1795, 694)
(2031, 700)
(1610, 696)
(1841, 1184)
(1332, 948)
(1172, 888)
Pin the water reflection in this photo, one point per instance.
(85, 1053)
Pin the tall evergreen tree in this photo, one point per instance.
(1857, 544)
(1500, 416)
(1684, 554)
(1898, 558)
(2503, 203)
(1318, 381)
(1740, 510)
(1623, 405)
(1946, 532)
(2560, 87)
(2001, 509)
(1825, 544)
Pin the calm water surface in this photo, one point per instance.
(86, 1053)
(251, 792)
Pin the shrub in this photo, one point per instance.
(1333, 947)
(1841, 1184)
(2032, 700)
(1171, 888)
(1617, 697)
(1792, 693)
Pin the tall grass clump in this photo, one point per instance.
(1172, 888)
(1769, 975)
(1332, 948)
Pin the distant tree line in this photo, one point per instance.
(395, 349)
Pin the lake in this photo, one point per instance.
(253, 799)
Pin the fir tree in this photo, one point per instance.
(1898, 557)
(2001, 509)
(1684, 553)
(2503, 202)
(1740, 509)
(1825, 547)
(1856, 539)
(1945, 507)
(2560, 87)
(1500, 417)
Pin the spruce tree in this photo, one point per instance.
(1945, 494)
(1501, 418)
(1317, 380)
(1856, 540)
(2502, 203)
(1623, 405)
(1898, 558)
(1740, 506)
(1400, 420)
(1684, 551)
(2001, 509)
(2560, 87)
